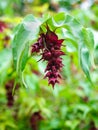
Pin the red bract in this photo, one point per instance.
(38, 45)
(49, 47)
(2, 26)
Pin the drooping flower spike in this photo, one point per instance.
(49, 46)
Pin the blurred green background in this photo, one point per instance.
(71, 105)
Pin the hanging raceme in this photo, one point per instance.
(49, 46)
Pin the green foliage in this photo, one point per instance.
(5, 63)
(5, 59)
(9, 7)
(20, 44)
(81, 36)
(71, 105)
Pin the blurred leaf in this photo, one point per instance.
(72, 124)
(32, 81)
(96, 55)
(24, 33)
(85, 61)
(5, 59)
(95, 119)
(88, 38)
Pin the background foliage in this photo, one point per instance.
(72, 105)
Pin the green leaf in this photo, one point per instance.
(96, 55)
(85, 61)
(72, 124)
(95, 119)
(5, 59)
(24, 33)
(88, 38)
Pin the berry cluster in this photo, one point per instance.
(10, 98)
(34, 120)
(49, 47)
